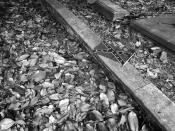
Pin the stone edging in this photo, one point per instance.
(110, 10)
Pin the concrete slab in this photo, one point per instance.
(158, 104)
(160, 29)
(110, 10)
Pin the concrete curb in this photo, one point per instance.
(110, 10)
(157, 29)
(160, 107)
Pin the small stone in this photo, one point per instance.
(155, 48)
(138, 43)
(114, 108)
(163, 57)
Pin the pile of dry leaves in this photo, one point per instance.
(49, 83)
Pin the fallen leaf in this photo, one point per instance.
(151, 74)
(84, 107)
(43, 92)
(33, 101)
(24, 78)
(58, 75)
(58, 59)
(70, 126)
(102, 88)
(63, 104)
(88, 127)
(33, 62)
(6, 123)
(123, 96)
(121, 102)
(39, 75)
(23, 57)
(20, 122)
(111, 124)
(15, 106)
(101, 127)
(54, 96)
(114, 108)
(44, 110)
(111, 85)
(122, 120)
(144, 128)
(104, 98)
(111, 95)
(97, 115)
(133, 121)
(48, 85)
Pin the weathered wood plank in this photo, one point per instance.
(110, 10)
(160, 29)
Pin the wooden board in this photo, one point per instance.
(110, 10)
(160, 29)
(141, 89)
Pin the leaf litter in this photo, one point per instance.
(49, 83)
(145, 55)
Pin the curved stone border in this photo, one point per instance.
(160, 107)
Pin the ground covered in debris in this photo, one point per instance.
(153, 61)
(48, 82)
